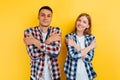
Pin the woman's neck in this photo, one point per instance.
(79, 33)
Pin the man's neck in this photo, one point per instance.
(44, 28)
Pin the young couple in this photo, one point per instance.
(43, 44)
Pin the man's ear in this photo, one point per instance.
(38, 16)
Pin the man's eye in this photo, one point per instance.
(42, 14)
(49, 16)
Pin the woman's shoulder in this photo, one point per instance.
(70, 35)
(89, 36)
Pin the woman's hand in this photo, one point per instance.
(87, 49)
(70, 42)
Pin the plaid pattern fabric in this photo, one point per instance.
(38, 55)
(73, 55)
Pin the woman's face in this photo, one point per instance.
(82, 23)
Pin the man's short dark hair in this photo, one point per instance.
(46, 7)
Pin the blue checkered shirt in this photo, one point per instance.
(70, 66)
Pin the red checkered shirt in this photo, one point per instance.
(37, 55)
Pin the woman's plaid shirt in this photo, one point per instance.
(37, 56)
(73, 55)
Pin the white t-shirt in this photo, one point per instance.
(81, 73)
(46, 71)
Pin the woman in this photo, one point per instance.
(80, 45)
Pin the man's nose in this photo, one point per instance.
(45, 17)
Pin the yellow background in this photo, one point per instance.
(17, 15)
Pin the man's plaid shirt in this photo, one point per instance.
(73, 55)
(37, 56)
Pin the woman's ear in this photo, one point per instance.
(88, 26)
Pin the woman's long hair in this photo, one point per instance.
(87, 30)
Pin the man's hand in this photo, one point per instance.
(29, 39)
(53, 37)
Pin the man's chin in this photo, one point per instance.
(45, 25)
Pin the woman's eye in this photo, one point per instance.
(79, 20)
(84, 22)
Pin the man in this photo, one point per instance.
(43, 44)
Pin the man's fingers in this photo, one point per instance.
(59, 34)
(28, 35)
(58, 38)
(54, 32)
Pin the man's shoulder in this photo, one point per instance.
(30, 29)
(56, 29)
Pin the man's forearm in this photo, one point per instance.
(37, 43)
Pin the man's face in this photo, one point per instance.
(45, 17)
